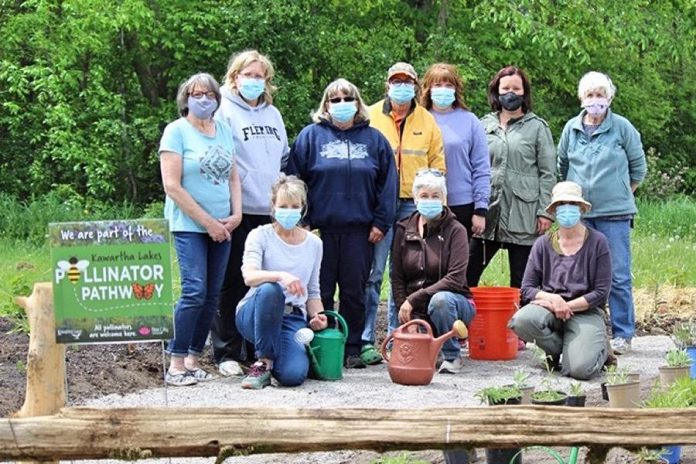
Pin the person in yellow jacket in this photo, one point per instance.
(416, 141)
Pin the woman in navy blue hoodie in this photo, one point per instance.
(349, 170)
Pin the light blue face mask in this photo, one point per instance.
(442, 96)
(401, 93)
(429, 208)
(343, 111)
(251, 88)
(287, 217)
(203, 107)
(567, 215)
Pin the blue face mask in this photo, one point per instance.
(442, 96)
(429, 208)
(287, 217)
(401, 93)
(343, 111)
(250, 88)
(203, 107)
(567, 215)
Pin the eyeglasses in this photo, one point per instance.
(402, 82)
(339, 99)
(432, 171)
(199, 94)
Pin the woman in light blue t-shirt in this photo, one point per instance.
(203, 206)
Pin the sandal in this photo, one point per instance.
(181, 379)
(200, 375)
(370, 355)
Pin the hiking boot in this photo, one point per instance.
(259, 377)
(620, 345)
(453, 366)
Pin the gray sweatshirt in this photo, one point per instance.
(262, 148)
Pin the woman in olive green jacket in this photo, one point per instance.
(523, 172)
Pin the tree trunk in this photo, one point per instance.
(85, 433)
(45, 393)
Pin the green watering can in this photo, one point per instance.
(326, 348)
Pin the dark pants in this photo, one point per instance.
(481, 252)
(464, 214)
(346, 261)
(228, 344)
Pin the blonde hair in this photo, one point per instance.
(290, 187)
(443, 72)
(241, 60)
(347, 89)
(594, 80)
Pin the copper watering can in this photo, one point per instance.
(414, 354)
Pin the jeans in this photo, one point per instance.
(202, 264)
(481, 252)
(404, 208)
(621, 311)
(228, 344)
(445, 308)
(346, 262)
(262, 321)
(582, 339)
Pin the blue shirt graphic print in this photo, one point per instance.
(206, 166)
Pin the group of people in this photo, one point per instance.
(417, 182)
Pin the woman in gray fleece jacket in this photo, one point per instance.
(262, 149)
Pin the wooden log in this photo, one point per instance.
(87, 433)
(45, 394)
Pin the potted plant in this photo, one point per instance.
(576, 395)
(621, 391)
(678, 365)
(520, 379)
(685, 337)
(550, 393)
(497, 396)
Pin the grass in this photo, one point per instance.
(664, 245)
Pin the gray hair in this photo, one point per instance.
(594, 80)
(203, 80)
(291, 187)
(347, 89)
(428, 180)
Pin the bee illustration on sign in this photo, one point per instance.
(73, 268)
(143, 292)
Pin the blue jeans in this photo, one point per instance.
(445, 308)
(621, 310)
(404, 208)
(202, 264)
(262, 321)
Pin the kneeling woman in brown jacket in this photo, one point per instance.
(429, 255)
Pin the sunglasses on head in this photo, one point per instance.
(431, 171)
(340, 99)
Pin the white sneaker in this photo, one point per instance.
(230, 368)
(452, 367)
(620, 345)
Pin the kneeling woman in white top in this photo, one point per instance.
(281, 265)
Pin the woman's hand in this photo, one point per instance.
(478, 224)
(543, 224)
(318, 322)
(560, 307)
(292, 284)
(217, 231)
(405, 312)
(231, 222)
(376, 235)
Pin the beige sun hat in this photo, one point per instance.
(568, 192)
(402, 68)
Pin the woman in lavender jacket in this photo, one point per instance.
(466, 148)
(567, 282)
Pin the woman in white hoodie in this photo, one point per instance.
(262, 149)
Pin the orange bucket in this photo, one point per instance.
(489, 337)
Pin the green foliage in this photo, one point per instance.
(403, 458)
(498, 395)
(678, 358)
(87, 86)
(616, 375)
(681, 394)
(684, 334)
(576, 389)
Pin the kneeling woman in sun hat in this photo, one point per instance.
(567, 281)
